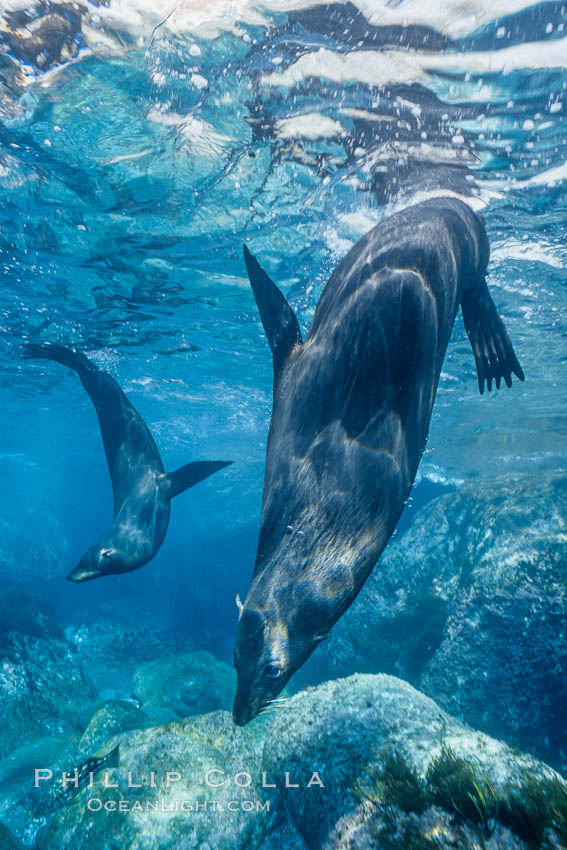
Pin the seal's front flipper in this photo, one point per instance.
(492, 349)
(190, 474)
(278, 318)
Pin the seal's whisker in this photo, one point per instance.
(270, 708)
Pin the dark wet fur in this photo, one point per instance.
(351, 413)
(141, 487)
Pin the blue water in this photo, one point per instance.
(128, 185)
(140, 149)
(131, 175)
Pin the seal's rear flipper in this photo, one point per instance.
(120, 423)
(53, 351)
(492, 349)
(190, 474)
(278, 318)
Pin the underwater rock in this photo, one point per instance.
(397, 768)
(363, 762)
(188, 749)
(19, 765)
(114, 639)
(284, 837)
(43, 690)
(23, 612)
(184, 685)
(372, 828)
(109, 719)
(7, 840)
(470, 606)
(22, 808)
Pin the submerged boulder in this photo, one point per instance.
(184, 685)
(23, 612)
(185, 812)
(362, 763)
(22, 807)
(113, 639)
(43, 689)
(399, 772)
(109, 719)
(7, 840)
(470, 606)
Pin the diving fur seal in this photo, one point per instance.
(350, 417)
(142, 489)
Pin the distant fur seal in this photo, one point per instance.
(350, 418)
(141, 487)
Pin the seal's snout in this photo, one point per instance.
(242, 711)
(80, 574)
(239, 719)
(76, 577)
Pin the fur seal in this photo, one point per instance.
(350, 417)
(142, 489)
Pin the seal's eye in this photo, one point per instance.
(272, 672)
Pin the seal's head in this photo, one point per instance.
(269, 648)
(102, 559)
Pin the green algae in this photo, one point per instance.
(530, 807)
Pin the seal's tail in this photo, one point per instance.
(493, 353)
(54, 351)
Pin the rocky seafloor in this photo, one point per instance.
(361, 762)
(442, 723)
(470, 606)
